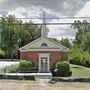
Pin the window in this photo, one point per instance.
(44, 44)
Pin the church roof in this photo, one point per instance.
(44, 44)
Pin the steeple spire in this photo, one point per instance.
(44, 31)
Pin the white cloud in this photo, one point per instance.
(85, 11)
(61, 7)
(21, 12)
(60, 31)
(33, 8)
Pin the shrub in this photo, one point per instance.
(81, 61)
(12, 68)
(25, 65)
(79, 57)
(87, 62)
(61, 69)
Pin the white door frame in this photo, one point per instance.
(44, 55)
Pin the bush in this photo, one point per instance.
(83, 62)
(87, 62)
(12, 68)
(22, 67)
(79, 57)
(61, 69)
(25, 65)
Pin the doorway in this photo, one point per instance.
(44, 62)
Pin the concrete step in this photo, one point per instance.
(44, 76)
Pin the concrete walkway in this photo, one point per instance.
(43, 82)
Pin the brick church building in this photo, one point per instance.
(44, 52)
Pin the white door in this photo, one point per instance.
(44, 64)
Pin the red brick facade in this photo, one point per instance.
(55, 56)
(34, 57)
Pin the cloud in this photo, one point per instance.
(61, 7)
(53, 8)
(3, 12)
(62, 31)
(85, 11)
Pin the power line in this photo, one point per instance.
(45, 23)
(56, 18)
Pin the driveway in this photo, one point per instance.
(7, 63)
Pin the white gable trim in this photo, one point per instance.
(29, 47)
(27, 50)
(30, 43)
(58, 43)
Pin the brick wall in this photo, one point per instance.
(23, 55)
(32, 56)
(54, 56)
(64, 56)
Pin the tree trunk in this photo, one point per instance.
(12, 56)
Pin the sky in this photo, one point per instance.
(52, 8)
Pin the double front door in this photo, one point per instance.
(44, 64)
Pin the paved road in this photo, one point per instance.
(6, 63)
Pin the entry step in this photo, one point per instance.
(44, 75)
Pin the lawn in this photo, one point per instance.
(80, 71)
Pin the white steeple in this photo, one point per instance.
(44, 31)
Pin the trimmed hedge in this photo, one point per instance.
(16, 77)
(61, 69)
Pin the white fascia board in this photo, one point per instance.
(43, 50)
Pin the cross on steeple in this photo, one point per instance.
(44, 31)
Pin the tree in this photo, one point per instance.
(82, 38)
(9, 35)
(2, 53)
(66, 42)
(28, 33)
(15, 34)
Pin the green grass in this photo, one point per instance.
(80, 71)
